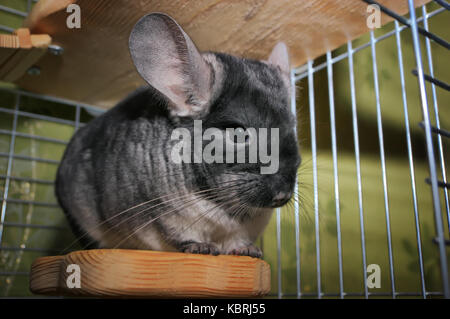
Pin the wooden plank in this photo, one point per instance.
(44, 276)
(20, 51)
(20, 62)
(96, 67)
(35, 40)
(121, 272)
(9, 41)
(5, 55)
(41, 40)
(24, 38)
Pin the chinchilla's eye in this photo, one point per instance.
(238, 135)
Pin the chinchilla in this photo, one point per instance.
(119, 183)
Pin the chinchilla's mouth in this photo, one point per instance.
(281, 199)
(279, 204)
(271, 204)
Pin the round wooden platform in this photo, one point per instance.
(143, 273)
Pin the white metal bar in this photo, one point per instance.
(411, 160)
(30, 180)
(29, 158)
(90, 108)
(335, 170)
(33, 249)
(77, 117)
(6, 29)
(30, 202)
(371, 294)
(9, 167)
(13, 11)
(296, 203)
(436, 116)
(430, 152)
(34, 137)
(47, 227)
(301, 73)
(383, 162)
(358, 163)
(312, 115)
(279, 278)
(38, 116)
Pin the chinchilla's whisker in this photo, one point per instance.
(194, 201)
(245, 197)
(224, 196)
(232, 209)
(242, 200)
(107, 230)
(214, 210)
(237, 211)
(211, 196)
(202, 192)
(182, 173)
(303, 205)
(292, 202)
(137, 206)
(305, 200)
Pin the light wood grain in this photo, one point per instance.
(140, 273)
(96, 67)
(22, 38)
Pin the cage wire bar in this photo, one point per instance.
(412, 23)
(315, 176)
(307, 71)
(335, 171)
(382, 160)
(410, 157)
(436, 113)
(358, 163)
(296, 203)
(11, 156)
(430, 151)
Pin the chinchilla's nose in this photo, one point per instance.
(281, 198)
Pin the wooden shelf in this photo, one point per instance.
(19, 52)
(96, 67)
(143, 273)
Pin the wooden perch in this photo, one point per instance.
(20, 51)
(96, 67)
(143, 273)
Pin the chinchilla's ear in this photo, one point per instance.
(280, 58)
(168, 60)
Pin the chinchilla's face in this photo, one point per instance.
(233, 116)
(253, 114)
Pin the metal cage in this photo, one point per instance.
(302, 275)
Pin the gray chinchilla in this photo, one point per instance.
(119, 183)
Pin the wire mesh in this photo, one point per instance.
(430, 151)
(308, 72)
(308, 275)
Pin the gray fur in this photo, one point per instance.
(121, 159)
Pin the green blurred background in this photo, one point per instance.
(34, 242)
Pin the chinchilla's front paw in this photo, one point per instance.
(200, 248)
(249, 250)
